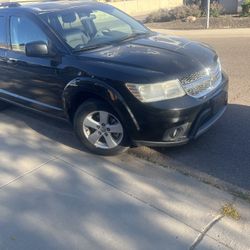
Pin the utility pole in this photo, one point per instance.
(208, 13)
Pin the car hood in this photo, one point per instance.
(148, 59)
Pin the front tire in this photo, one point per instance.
(100, 129)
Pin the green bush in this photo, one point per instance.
(216, 9)
(166, 15)
(245, 7)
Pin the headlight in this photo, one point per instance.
(156, 91)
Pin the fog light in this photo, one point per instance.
(176, 133)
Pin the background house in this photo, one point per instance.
(230, 6)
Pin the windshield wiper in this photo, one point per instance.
(133, 35)
(96, 46)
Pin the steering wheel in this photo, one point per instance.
(103, 31)
(80, 46)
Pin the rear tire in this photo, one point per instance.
(99, 128)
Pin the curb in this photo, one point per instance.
(157, 158)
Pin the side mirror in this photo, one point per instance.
(37, 49)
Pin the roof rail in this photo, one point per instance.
(9, 5)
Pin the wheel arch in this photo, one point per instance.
(83, 89)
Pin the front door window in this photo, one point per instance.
(23, 31)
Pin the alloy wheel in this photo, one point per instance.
(103, 130)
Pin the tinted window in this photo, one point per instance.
(23, 31)
(2, 33)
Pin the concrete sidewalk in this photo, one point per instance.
(55, 196)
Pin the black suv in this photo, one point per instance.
(116, 81)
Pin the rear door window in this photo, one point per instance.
(3, 39)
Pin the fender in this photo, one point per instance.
(91, 87)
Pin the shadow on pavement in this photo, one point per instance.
(85, 201)
(223, 152)
(59, 206)
(54, 129)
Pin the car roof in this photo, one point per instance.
(43, 7)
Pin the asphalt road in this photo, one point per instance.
(224, 151)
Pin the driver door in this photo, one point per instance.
(32, 81)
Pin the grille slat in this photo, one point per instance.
(203, 82)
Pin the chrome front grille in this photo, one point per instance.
(201, 83)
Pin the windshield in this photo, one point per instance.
(88, 27)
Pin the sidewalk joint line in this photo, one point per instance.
(201, 234)
(26, 173)
(127, 193)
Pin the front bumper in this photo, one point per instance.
(193, 117)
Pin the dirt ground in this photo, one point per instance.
(222, 22)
